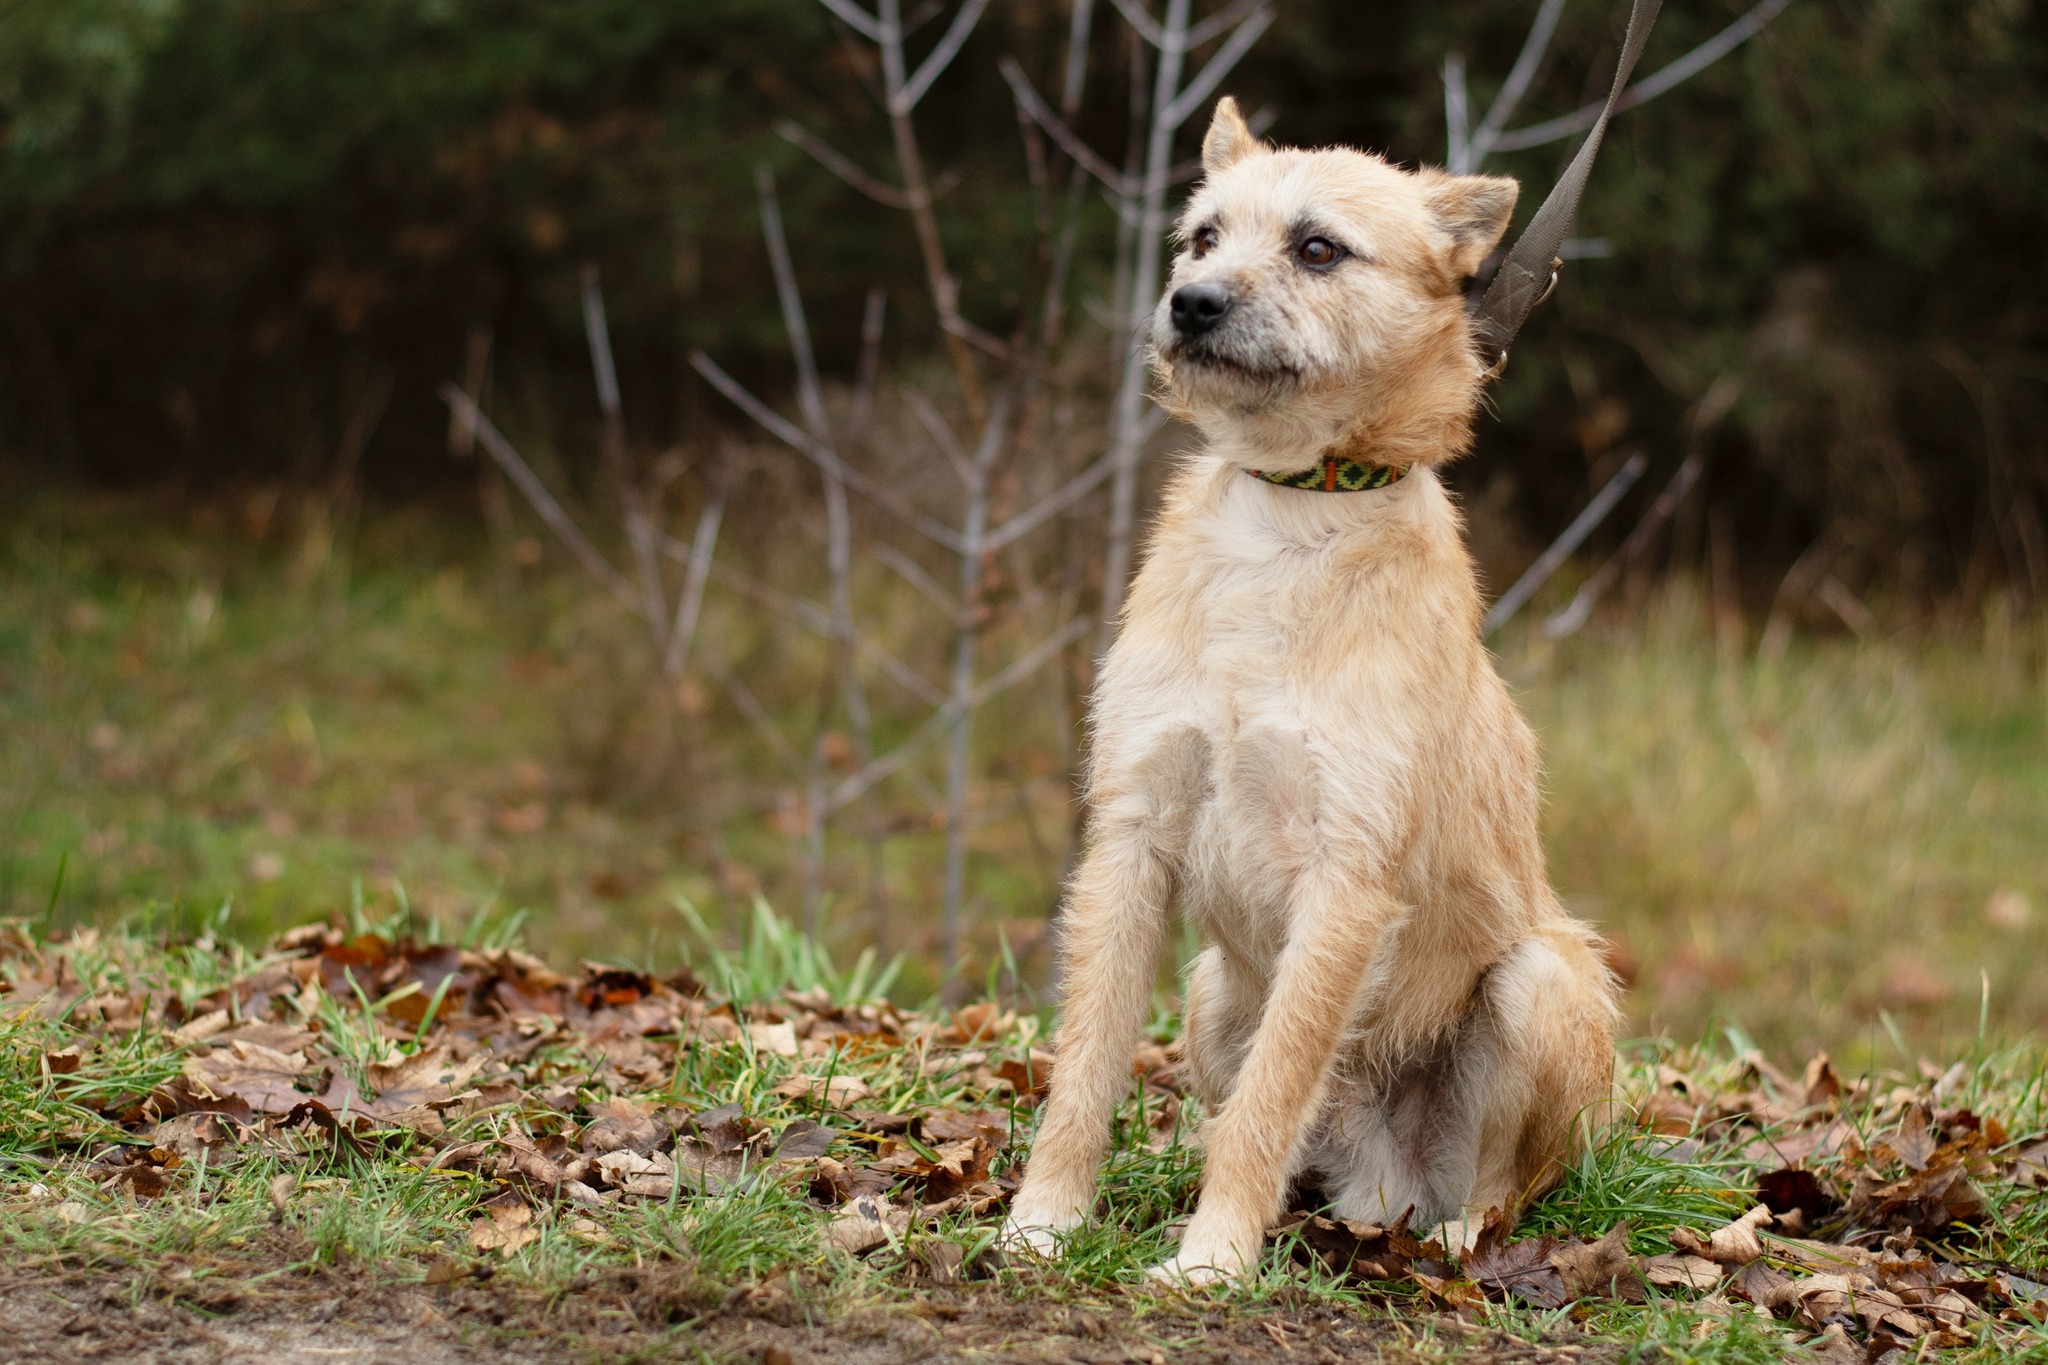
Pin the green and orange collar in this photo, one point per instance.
(1335, 474)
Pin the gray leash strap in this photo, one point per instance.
(1529, 273)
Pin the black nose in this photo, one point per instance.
(1199, 307)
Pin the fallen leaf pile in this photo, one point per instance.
(548, 1088)
(1870, 1215)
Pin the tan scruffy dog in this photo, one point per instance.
(1300, 739)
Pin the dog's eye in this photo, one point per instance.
(1319, 252)
(1204, 241)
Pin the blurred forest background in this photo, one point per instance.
(831, 453)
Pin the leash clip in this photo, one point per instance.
(1500, 363)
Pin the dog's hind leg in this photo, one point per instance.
(1113, 927)
(1485, 1119)
(1552, 1005)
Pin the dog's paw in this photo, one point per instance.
(1179, 1273)
(1041, 1240)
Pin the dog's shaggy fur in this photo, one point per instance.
(1300, 739)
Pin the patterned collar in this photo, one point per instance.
(1337, 475)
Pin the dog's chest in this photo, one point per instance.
(1231, 685)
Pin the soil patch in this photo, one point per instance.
(198, 1310)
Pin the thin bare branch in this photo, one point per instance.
(1686, 67)
(1221, 22)
(885, 766)
(682, 636)
(1527, 63)
(1069, 493)
(1457, 116)
(817, 451)
(939, 58)
(941, 432)
(939, 279)
(1138, 280)
(750, 707)
(869, 368)
(1580, 609)
(871, 775)
(1560, 549)
(912, 572)
(1079, 23)
(536, 492)
(810, 395)
(598, 334)
(858, 19)
(1032, 659)
(817, 618)
(978, 337)
(639, 532)
(1211, 75)
(843, 167)
(1148, 28)
(973, 565)
(1039, 112)
(1713, 405)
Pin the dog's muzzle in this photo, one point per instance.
(1197, 308)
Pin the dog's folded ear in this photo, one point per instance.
(1229, 139)
(1473, 209)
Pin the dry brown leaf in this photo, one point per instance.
(204, 1027)
(190, 1134)
(1030, 1077)
(1520, 1270)
(1681, 1272)
(941, 1125)
(1819, 1255)
(804, 1140)
(1600, 1267)
(1736, 1244)
(276, 1037)
(1914, 1142)
(1362, 1251)
(446, 1270)
(1820, 1083)
(837, 1091)
(425, 1079)
(254, 1074)
(1833, 1347)
(624, 1125)
(776, 1039)
(505, 1226)
(977, 1023)
(867, 1221)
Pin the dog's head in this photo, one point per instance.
(1318, 296)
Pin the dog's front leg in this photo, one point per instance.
(1115, 920)
(1253, 1143)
